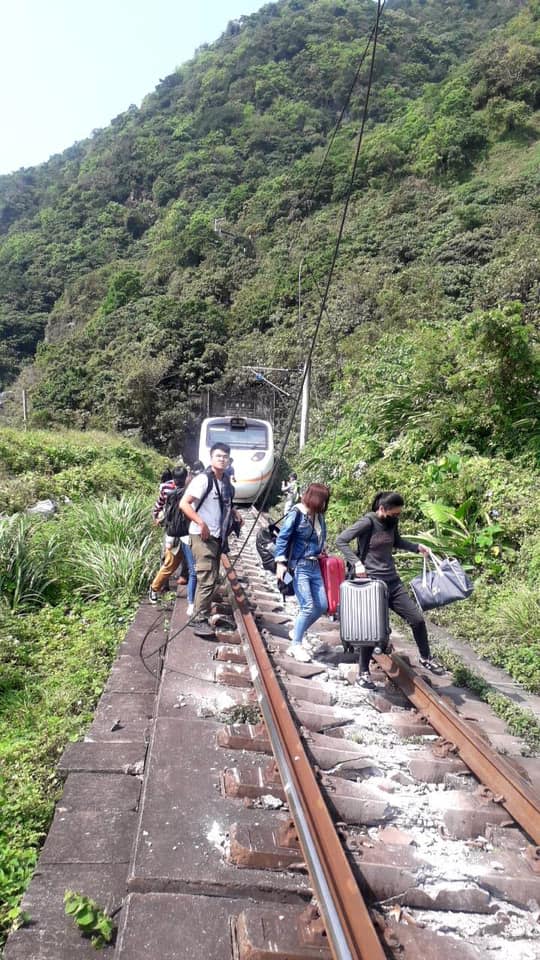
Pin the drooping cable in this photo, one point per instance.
(322, 308)
(277, 461)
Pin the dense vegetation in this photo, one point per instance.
(68, 588)
(64, 463)
(447, 416)
(110, 246)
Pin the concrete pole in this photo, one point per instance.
(25, 409)
(304, 413)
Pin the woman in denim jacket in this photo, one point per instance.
(299, 545)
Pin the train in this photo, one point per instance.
(252, 451)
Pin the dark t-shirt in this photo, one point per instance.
(379, 562)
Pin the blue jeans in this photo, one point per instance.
(192, 577)
(311, 595)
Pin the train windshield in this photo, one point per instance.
(240, 434)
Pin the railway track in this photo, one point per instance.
(351, 833)
(230, 803)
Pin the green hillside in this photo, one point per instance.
(110, 248)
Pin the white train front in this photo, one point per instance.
(252, 451)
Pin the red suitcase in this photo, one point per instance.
(333, 574)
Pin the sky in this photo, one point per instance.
(69, 66)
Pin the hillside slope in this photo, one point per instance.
(110, 248)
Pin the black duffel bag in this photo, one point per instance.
(441, 582)
(265, 545)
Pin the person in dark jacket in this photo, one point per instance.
(377, 535)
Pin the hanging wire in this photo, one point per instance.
(322, 308)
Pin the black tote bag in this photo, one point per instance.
(442, 582)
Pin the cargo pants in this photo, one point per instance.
(206, 554)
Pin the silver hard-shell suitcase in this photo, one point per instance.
(363, 613)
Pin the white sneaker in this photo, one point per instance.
(299, 653)
(189, 610)
(364, 680)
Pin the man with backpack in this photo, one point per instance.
(175, 526)
(208, 504)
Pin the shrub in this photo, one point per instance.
(109, 548)
(111, 570)
(27, 562)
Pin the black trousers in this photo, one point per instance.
(400, 602)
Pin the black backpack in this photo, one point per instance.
(175, 522)
(265, 544)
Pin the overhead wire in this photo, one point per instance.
(268, 485)
(322, 308)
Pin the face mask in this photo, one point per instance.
(389, 522)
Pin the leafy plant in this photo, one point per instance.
(26, 562)
(458, 531)
(109, 570)
(109, 547)
(90, 918)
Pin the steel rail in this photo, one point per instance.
(350, 931)
(489, 766)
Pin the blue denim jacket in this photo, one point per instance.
(300, 536)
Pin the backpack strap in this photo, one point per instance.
(293, 531)
(210, 483)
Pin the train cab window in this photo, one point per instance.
(239, 433)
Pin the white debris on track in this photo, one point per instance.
(218, 838)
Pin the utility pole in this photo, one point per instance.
(304, 412)
(25, 409)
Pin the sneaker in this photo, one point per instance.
(364, 680)
(220, 620)
(201, 628)
(153, 595)
(189, 610)
(431, 664)
(299, 653)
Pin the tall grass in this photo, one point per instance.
(111, 550)
(517, 614)
(96, 548)
(119, 522)
(29, 549)
(113, 569)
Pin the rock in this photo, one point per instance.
(44, 508)
(269, 802)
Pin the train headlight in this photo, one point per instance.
(259, 455)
